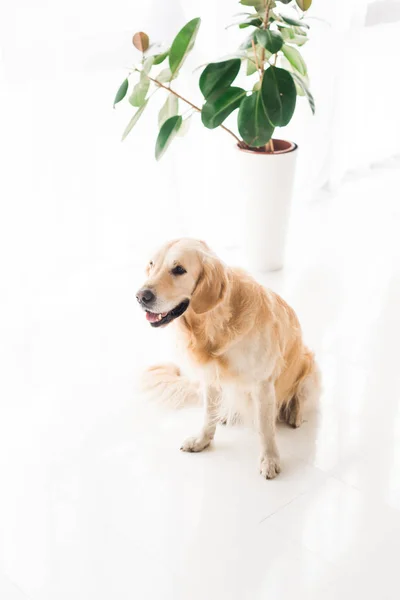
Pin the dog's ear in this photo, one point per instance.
(211, 286)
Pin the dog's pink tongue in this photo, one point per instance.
(153, 317)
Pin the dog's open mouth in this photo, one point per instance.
(158, 319)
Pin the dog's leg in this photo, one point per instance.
(294, 413)
(265, 407)
(211, 405)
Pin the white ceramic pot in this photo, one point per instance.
(267, 185)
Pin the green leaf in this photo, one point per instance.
(239, 54)
(184, 128)
(271, 40)
(291, 21)
(251, 67)
(259, 5)
(218, 75)
(169, 109)
(139, 92)
(299, 31)
(251, 62)
(295, 59)
(289, 35)
(183, 44)
(120, 95)
(253, 123)
(166, 134)
(299, 89)
(279, 95)
(134, 120)
(148, 63)
(267, 54)
(282, 25)
(304, 4)
(220, 105)
(303, 85)
(159, 58)
(250, 23)
(164, 76)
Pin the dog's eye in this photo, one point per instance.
(151, 264)
(178, 270)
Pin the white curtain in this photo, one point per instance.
(355, 62)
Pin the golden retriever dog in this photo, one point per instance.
(235, 333)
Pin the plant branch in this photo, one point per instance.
(169, 89)
(266, 16)
(269, 147)
(255, 54)
(264, 26)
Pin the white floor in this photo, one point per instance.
(96, 500)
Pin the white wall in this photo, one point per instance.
(72, 194)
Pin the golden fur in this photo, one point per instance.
(235, 332)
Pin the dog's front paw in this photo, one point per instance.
(195, 444)
(270, 466)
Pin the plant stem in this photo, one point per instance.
(255, 54)
(264, 26)
(270, 146)
(169, 89)
(266, 17)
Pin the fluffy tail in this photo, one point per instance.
(304, 394)
(166, 384)
(311, 386)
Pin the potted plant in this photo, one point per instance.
(275, 74)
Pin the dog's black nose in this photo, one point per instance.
(146, 297)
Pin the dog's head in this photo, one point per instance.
(182, 274)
